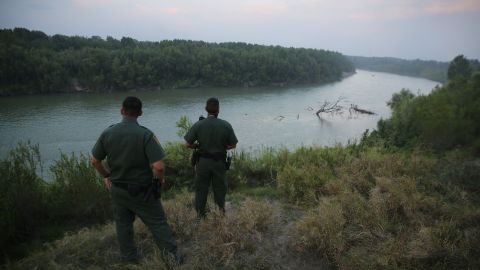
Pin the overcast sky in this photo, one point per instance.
(425, 29)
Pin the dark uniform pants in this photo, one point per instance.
(151, 213)
(210, 171)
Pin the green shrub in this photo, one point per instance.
(447, 118)
(304, 184)
(77, 192)
(178, 170)
(22, 195)
(462, 170)
(258, 169)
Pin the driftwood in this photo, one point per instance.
(336, 108)
(331, 108)
(355, 109)
(279, 118)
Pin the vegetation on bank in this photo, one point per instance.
(381, 203)
(353, 206)
(447, 118)
(33, 62)
(432, 70)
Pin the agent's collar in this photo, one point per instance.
(129, 119)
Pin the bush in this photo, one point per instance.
(30, 207)
(77, 193)
(22, 195)
(255, 170)
(303, 184)
(461, 170)
(447, 118)
(178, 169)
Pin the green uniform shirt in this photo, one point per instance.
(212, 134)
(130, 150)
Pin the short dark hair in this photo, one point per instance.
(132, 106)
(212, 105)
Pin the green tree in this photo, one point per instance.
(459, 68)
(34, 62)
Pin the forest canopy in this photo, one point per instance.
(34, 62)
(432, 70)
(446, 119)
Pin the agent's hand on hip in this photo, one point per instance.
(108, 183)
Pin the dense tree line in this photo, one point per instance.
(433, 70)
(33, 62)
(447, 118)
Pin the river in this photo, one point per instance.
(261, 117)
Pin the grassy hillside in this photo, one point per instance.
(348, 206)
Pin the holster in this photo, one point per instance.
(217, 157)
(228, 162)
(154, 190)
(195, 157)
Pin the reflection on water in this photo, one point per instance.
(72, 122)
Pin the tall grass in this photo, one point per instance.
(76, 192)
(392, 212)
(22, 195)
(359, 206)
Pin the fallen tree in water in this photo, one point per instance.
(355, 109)
(332, 108)
(336, 108)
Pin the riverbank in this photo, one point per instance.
(40, 63)
(431, 70)
(352, 206)
(72, 122)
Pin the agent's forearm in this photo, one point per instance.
(97, 164)
(158, 170)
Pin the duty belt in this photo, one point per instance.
(125, 186)
(121, 185)
(214, 156)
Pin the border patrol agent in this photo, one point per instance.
(214, 137)
(134, 156)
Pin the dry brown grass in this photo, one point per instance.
(368, 210)
(228, 241)
(321, 231)
(225, 241)
(390, 211)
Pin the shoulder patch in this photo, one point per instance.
(148, 131)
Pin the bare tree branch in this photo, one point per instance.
(332, 108)
(355, 109)
(336, 108)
